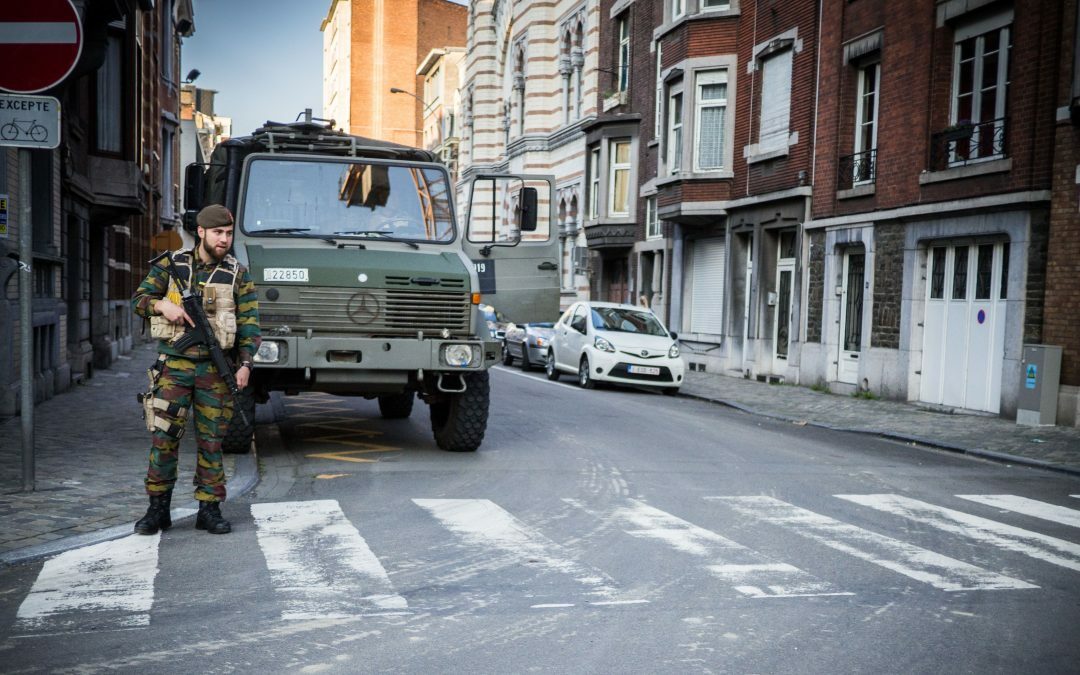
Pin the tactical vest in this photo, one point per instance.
(218, 299)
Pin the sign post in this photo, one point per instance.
(40, 44)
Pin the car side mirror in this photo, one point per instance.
(674, 335)
(194, 187)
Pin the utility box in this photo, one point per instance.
(1040, 375)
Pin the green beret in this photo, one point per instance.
(213, 216)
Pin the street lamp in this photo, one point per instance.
(395, 90)
(192, 75)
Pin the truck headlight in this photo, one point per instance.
(271, 351)
(458, 355)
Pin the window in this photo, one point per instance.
(624, 53)
(652, 219)
(866, 113)
(109, 98)
(678, 8)
(960, 273)
(775, 102)
(594, 183)
(715, 5)
(433, 88)
(937, 274)
(980, 85)
(619, 178)
(168, 193)
(673, 145)
(168, 44)
(711, 104)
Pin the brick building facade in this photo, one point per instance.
(102, 200)
(372, 46)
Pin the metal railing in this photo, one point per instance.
(967, 142)
(857, 169)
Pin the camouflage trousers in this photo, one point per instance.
(185, 384)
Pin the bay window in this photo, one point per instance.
(709, 120)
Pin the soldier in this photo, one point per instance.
(185, 380)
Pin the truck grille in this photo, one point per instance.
(370, 312)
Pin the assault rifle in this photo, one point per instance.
(202, 333)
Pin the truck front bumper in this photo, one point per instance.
(367, 354)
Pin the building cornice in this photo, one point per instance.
(1001, 201)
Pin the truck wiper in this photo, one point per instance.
(380, 235)
(293, 230)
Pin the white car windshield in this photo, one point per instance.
(346, 200)
(624, 320)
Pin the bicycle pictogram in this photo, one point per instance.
(15, 129)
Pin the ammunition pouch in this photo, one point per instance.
(163, 329)
(221, 311)
(159, 414)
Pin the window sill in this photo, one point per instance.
(966, 171)
(702, 175)
(857, 191)
(755, 157)
(660, 31)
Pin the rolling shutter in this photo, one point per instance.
(707, 293)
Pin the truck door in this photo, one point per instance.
(511, 238)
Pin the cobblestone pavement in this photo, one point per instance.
(91, 449)
(1056, 448)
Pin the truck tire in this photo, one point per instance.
(239, 436)
(396, 406)
(460, 420)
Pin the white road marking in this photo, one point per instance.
(543, 380)
(107, 586)
(1029, 507)
(319, 562)
(751, 573)
(1038, 546)
(929, 567)
(480, 522)
(37, 32)
(552, 605)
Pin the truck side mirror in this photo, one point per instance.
(527, 206)
(194, 187)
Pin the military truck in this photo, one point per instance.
(368, 286)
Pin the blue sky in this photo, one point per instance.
(264, 57)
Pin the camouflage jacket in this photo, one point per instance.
(156, 287)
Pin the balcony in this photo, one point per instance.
(967, 143)
(857, 169)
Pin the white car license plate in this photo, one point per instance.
(285, 274)
(643, 370)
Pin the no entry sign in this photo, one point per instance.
(40, 41)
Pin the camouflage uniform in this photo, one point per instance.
(189, 379)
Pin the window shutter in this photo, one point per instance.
(707, 294)
(775, 102)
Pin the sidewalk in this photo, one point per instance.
(90, 459)
(1054, 448)
(92, 450)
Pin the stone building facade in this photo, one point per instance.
(529, 93)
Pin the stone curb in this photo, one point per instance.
(893, 435)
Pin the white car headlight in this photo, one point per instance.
(673, 353)
(603, 345)
(457, 355)
(271, 351)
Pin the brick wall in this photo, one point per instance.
(888, 285)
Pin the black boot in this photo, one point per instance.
(157, 515)
(210, 519)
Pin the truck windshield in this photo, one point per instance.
(299, 198)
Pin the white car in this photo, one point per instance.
(609, 342)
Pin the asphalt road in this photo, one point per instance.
(594, 532)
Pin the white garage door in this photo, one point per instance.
(707, 292)
(964, 327)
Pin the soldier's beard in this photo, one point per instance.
(209, 255)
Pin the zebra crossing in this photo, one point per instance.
(321, 566)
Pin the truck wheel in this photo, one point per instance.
(239, 436)
(396, 406)
(460, 420)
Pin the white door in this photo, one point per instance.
(851, 316)
(782, 298)
(964, 326)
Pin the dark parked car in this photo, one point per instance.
(528, 343)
